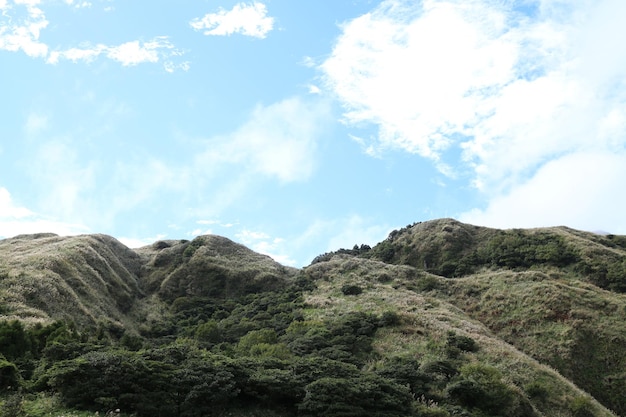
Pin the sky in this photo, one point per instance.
(301, 127)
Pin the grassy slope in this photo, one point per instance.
(553, 309)
(527, 321)
(427, 317)
(86, 279)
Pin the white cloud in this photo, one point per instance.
(133, 53)
(261, 242)
(246, 19)
(22, 22)
(432, 74)
(128, 54)
(134, 243)
(16, 220)
(22, 32)
(278, 140)
(343, 233)
(356, 230)
(511, 92)
(78, 4)
(313, 89)
(581, 190)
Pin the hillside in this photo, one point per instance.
(440, 319)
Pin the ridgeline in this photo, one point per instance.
(440, 319)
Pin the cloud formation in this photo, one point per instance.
(21, 32)
(277, 141)
(15, 220)
(261, 242)
(514, 92)
(128, 54)
(583, 190)
(245, 19)
(22, 23)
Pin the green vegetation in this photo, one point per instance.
(440, 319)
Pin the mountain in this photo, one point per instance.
(440, 319)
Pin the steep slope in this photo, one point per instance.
(84, 279)
(429, 329)
(208, 266)
(556, 294)
(440, 319)
(93, 280)
(449, 248)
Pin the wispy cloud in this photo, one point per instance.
(22, 22)
(582, 190)
(78, 4)
(137, 243)
(246, 19)
(128, 54)
(278, 140)
(514, 93)
(263, 243)
(16, 219)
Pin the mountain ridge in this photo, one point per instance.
(532, 301)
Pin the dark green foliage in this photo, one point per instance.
(14, 340)
(608, 272)
(355, 251)
(389, 318)
(229, 337)
(351, 289)
(581, 407)
(455, 251)
(9, 374)
(13, 406)
(367, 395)
(440, 369)
(537, 390)
(406, 371)
(456, 344)
(598, 364)
(180, 386)
(481, 387)
(518, 249)
(346, 338)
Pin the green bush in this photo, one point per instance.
(537, 390)
(9, 374)
(13, 406)
(368, 395)
(582, 407)
(480, 386)
(349, 289)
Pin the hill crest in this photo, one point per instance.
(533, 300)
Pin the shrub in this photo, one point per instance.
(456, 344)
(480, 386)
(537, 390)
(351, 289)
(581, 407)
(9, 374)
(367, 395)
(389, 318)
(12, 406)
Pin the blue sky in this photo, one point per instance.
(299, 127)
